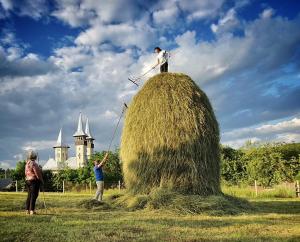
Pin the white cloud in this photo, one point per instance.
(6, 165)
(284, 126)
(166, 16)
(13, 61)
(73, 13)
(228, 54)
(199, 10)
(227, 22)
(38, 145)
(18, 156)
(7, 4)
(108, 114)
(267, 13)
(237, 143)
(123, 35)
(282, 131)
(30, 8)
(93, 76)
(71, 57)
(84, 12)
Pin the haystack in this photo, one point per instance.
(171, 138)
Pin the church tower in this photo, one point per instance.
(89, 139)
(60, 149)
(80, 144)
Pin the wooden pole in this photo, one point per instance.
(297, 189)
(63, 186)
(90, 187)
(119, 185)
(16, 186)
(255, 185)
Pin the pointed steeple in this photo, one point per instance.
(60, 140)
(87, 129)
(79, 131)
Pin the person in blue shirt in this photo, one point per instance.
(99, 177)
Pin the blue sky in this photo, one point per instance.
(59, 58)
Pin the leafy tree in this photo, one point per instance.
(19, 172)
(233, 167)
(267, 165)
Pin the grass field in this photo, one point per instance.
(273, 219)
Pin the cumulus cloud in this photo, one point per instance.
(72, 13)
(287, 131)
(239, 73)
(198, 10)
(166, 14)
(38, 145)
(83, 12)
(123, 35)
(226, 23)
(13, 61)
(267, 13)
(6, 165)
(30, 8)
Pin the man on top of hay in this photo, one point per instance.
(99, 177)
(162, 59)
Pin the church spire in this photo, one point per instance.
(79, 131)
(87, 129)
(61, 148)
(60, 140)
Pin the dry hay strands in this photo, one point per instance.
(171, 138)
(165, 199)
(94, 204)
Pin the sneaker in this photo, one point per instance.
(27, 211)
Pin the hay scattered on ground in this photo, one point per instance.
(94, 204)
(178, 203)
(171, 138)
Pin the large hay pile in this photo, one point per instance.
(171, 138)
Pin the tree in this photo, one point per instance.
(267, 165)
(19, 172)
(233, 167)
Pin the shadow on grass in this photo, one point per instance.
(279, 207)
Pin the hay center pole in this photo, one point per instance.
(115, 131)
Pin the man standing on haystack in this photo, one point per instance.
(162, 59)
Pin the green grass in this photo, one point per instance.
(273, 219)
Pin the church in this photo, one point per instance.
(84, 149)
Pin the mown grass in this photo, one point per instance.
(273, 219)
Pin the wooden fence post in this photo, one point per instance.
(16, 186)
(119, 185)
(297, 185)
(90, 187)
(255, 185)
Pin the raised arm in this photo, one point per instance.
(103, 160)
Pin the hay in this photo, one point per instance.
(94, 204)
(178, 203)
(171, 138)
